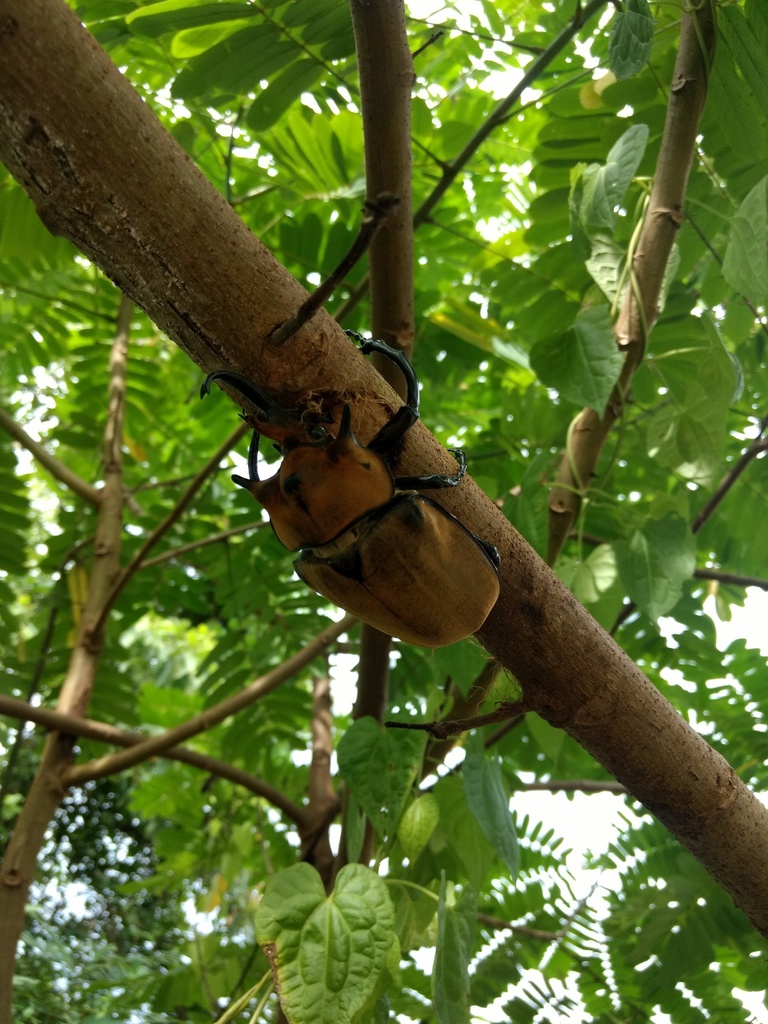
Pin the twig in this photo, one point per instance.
(135, 563)
(441, 730)
(376, 212)
(498, 117)
(114, 763)
(204, 542)
(74, 725)
(56, 468)
(759, 445)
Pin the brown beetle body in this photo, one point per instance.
(410, 569)
(369, 541)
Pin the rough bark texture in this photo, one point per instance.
(67, 121)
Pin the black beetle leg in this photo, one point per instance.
(250, 391)
(490, 549)
(395, 430)
(434, 481)
(253, 464)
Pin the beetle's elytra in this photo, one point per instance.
(369, 541)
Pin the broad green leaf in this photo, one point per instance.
(603, 186)
(688, 433)
(631, 39)
(236, 64)
(174, 15)
(745, 266)
(193, 41)
(450, 974)
(605, 264)
(417, 825)
(488, 800)
(597, 585)
(584, 363)
(549, 739)
(379, 766)
(327, 952)
(745, 46)
(462, 830)
(283, 89)
(731, 106)
(655, 562)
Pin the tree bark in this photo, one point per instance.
(152, 222)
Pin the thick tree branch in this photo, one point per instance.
(74, 725)
(146, 224)
(649, 261)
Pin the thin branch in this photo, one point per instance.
(758, 446)
(450, 171)
(37, 674)
(173, 516)
(376, 212)
(56, 468)
(573, 786)
(204, 542)
(74, 725)
(441, 730)
(504, 107)
(114, 763)
(734, 578)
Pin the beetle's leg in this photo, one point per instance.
(250, 391)
(253, 464)
(490, 549)
(275, 421)
(434, 481)
(395, 430)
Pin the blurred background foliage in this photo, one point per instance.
(143, 909)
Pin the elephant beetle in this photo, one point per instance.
(370, 541)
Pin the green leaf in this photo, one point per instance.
(745, 266)
(631, 39)
(379, 766)
(604, 186)
(282, 91)
(655, 563)
(462, 830)
(731, 107)
(326, 952)
(745, 46)
(450, 974)
(689, 433)
(488, 800)
(174, 15)
(417, 825)
(583, 364)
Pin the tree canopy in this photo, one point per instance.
(578, 267)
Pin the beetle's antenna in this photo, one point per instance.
(376, 212)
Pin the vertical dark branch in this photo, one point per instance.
(386, 80)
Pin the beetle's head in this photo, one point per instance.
(321, 487)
